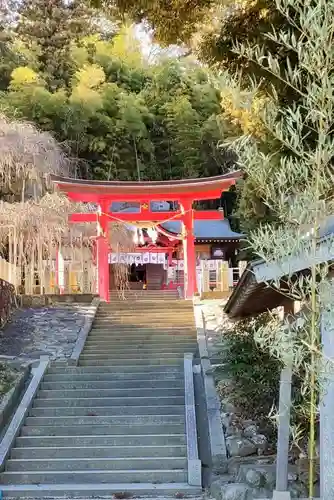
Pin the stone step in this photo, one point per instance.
(143, 293)
(104, 490)
(129, 363)
(106, 410)
(131, 291)
(95, 464)
(100, 430)
(108, 352)
(136, 336)
(159, 440)
(122, 378)
(99, 452)
(138, 326)
(109, 393)
(141, 356)
(135, 316)
(105, 420)
(98, 384)
(138, 300)
(142, 322)
(146, 345)
(153, 370)
(138, 333)
(145, 341)
(152, 329)
(148, 307)
(125, 340)
(148, 321)
(158, 327)
(172, 349)
(147, 348)
(108, 476)
(147, 334)
(104, 401)
(119, 295)
(150, 304)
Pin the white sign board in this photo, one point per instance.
(137, 258)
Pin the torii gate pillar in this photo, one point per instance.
(102, 254)
(189, 255)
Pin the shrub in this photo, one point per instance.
(253, 372)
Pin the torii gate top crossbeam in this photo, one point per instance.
(195, 189)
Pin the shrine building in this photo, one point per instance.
(171, 239)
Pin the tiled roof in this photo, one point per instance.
(206, 229)
(203, 229)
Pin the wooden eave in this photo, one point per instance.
(250, 298)
(150, 190)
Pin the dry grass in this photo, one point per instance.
(33, 218)
(27, 156)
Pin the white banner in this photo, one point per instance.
(179, 265)
(137, 258)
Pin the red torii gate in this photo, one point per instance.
(185, 192)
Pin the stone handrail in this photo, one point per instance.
(194, 463)
(7, 301)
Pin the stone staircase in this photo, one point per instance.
(123, 298)
(115, 423)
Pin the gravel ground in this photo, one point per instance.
(50, 331)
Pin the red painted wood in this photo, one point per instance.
(102, 253)
(201, 195)
(190, 285)
(170, 257)
(146, 215)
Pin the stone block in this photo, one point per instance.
(250, 430)
(281, 495)
(260, 441)
(240, 447)
(194, 473)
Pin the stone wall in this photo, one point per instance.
(251, 470)
(51, 299)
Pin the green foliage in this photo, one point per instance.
(173, 20)
(122, 118)
(296, 182)
(51, 28)
(254, 372)
(213, 30)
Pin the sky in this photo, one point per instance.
(149, 48)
